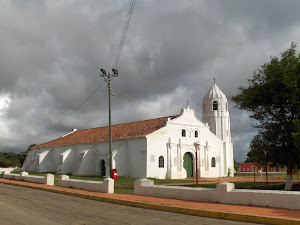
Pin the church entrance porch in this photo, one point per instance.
(188, 164)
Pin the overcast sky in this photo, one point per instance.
(51, 52)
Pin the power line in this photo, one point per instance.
(123, 37)
(126, 95)
(83, 102)
(122, 41)
(121, 44)
(118, 55)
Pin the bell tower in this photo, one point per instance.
(215, 113)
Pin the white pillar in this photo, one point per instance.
(171, 163)
(178, 159)
(180, 155)
(198, 160)
(168, 160)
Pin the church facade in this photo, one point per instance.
(171, 147)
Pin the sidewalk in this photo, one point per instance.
(214, 210)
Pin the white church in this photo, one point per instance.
(161, 148)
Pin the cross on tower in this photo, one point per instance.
(215, 80)
(187, 103)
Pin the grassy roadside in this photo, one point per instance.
(263, 175)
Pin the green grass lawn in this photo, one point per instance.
(238, 185)
(270, 176)
(169, 181)
(128, 191)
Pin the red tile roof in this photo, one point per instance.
(100, 134)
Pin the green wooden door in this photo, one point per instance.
(188, 164)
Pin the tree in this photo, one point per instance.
(9, 159)
(272, 98)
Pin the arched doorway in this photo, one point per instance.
(188, 164)
(102, 168)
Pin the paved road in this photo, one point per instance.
(20, 205)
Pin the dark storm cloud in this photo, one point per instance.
(51, 53)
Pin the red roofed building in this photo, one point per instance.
(162, 147)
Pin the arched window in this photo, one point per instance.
(183, 133)
(213, 162)
(196, 134)
(215, 105)
(161, 162)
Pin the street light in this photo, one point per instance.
(197, 144)
(266, 167)
(108, 76)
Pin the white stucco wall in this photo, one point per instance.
(137, 156)
(156, 147)
(64, 158)
(85, 159)
(169, 143)
(29, 160)
(129, 158)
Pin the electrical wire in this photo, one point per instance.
(126, 95)
(124, 33)
(82, 103)
(118, 55)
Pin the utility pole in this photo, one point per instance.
(107, 78)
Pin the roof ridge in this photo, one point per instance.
(131, 122)
(121, 131)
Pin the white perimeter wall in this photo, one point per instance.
(6, 169)
(224, 193)
(107, 186)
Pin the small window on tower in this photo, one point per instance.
(215, 105)
(196, 134)
(183, 133)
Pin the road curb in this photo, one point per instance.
(175, 209)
